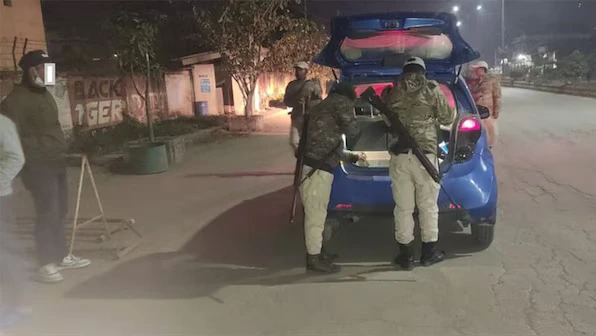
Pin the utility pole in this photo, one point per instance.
(503, 24)
(305, 10)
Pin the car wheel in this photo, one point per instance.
(330, 226)
(483, 234)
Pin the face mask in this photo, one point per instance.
(38, 82)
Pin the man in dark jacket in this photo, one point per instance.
(322, 149)
(35, 113)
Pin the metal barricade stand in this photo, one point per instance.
(78, 223)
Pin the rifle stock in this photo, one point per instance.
(397, 127)
(299, 164)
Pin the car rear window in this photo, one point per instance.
(375, 46)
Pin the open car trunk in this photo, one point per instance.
(372, 48)
(375, 138)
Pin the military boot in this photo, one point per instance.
(315, 263)
(405, 258)
(327, 255)
(430, 255)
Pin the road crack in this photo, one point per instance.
(530, 309)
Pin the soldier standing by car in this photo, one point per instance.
(486, 91)
(301, 94)
(322, 151)
(421, 105)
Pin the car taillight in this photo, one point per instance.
(469, 131)
(469, 125)
(343, 206)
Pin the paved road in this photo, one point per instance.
(242, 273)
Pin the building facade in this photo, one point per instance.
(21, 30)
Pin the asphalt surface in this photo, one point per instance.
(220, 258)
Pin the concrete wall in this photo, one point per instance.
(98, 102)
(272, 86)
(180, 93)
(24, 21)
(204, 86)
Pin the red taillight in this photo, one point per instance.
(469, 125)
(343, 206)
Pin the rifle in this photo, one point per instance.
(299, 162)
(395, 124)
(397, 127)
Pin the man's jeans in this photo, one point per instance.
(48, 186)
(12, 265)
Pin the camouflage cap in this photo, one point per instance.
(415, 61)
(301, 65)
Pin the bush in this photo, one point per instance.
(535, 73)
(574, 66)
(111, 139)
(518, 73)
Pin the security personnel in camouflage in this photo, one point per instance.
(486, 91)
(300, 94)
(421, 105)
(323, 150)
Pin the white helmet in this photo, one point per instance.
(479, 64)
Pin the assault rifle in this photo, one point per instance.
(396, 126)
(299, 162)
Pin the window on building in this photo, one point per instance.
(7, 3)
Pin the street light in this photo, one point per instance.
(458, 23)
(479, 7)
(455, 9)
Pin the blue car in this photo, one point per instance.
(369, 51)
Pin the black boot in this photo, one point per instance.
(430, 255)
(328, 256)
(405, 258)
(317, 264)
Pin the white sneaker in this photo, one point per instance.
(49, 274)
(72, 262)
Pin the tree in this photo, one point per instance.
(574, 66)
(135, 42)
(304, 41)
(241, 31)
(592, 65)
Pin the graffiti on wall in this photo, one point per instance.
(97, 102)
(136, 105)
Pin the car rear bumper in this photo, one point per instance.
(445, 215)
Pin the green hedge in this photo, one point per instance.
(111, 139)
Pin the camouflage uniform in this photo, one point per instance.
(487, 92)
(299, 92)
(323, 151)
(420, 104)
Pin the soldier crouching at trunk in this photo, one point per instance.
(420, 105)
(322, 149)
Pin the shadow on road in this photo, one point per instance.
(243, 174)
(252, 244)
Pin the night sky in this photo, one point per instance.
(482, 29)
